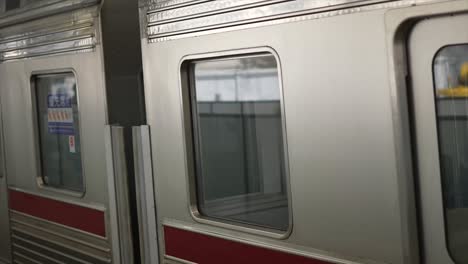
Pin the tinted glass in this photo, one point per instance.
(59, 131)
(239, 140)
(451, 83)
(12, 4)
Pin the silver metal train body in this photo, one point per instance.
(270, 132)
(67, 185)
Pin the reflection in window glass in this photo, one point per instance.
(59, 132)
(236, 109)
(451, 83)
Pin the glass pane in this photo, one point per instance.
(59, 132)
(451, 83)
(12, 4)
(239, 140)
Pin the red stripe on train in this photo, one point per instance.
(203, 249)
(79, 217)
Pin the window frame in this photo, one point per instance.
(37, 136)
(187, 88)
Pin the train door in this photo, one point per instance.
(438, 53)
(5, 253)
(54, 136)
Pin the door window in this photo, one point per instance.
(239, 140)
(59, 131)
(451, 89)
(12, 4)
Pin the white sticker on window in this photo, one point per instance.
(71, 144)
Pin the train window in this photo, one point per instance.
(239, 140)
(58, 131)
(451, 84)
(12, 4)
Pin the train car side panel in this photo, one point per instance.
(5, 251)
(332, 127)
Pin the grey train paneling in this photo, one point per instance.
(5, 250)
(350, 198)
(71, 31)
(59, 34)
(25, 10)
(167, 19)
(39, 241)
(4, 218)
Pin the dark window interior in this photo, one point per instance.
(12, 4)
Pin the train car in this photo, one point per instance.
(305, 131)
(66, 189)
